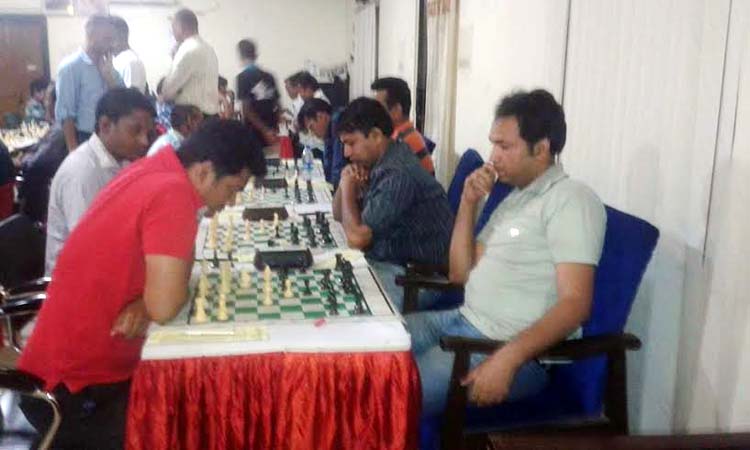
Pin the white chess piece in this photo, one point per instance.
(288, 289)
(200, 311)
(222, 315)
(275, 220)
(245, 279)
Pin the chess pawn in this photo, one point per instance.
(267, 275)
(275, 220)
(226, 278)
(200, 310)
(245, 279)
(262, 225)
(288, 289)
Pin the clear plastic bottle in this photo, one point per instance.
(307, 163)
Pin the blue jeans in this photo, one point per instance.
(435, 365)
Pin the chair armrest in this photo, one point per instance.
(22, 304)
(427, 269)
(436, 282)
(19, 381)
(571, 349)
(40, 284)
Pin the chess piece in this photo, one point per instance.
(247, 231)
(307, 290)
(200, 310)
(203, 285)
(226, 277)
(245, 279)
(267, 276)
(275, 220)
(278, 234)
(288, 288)
(267, 300)
(222, 314)
(339, 258)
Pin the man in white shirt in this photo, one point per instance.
(124, 118)
(126, 62)
(195, 68)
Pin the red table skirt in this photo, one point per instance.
(276, 401)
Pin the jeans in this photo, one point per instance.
(92, 419)
(435, 365)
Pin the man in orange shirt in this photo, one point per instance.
(395, 95)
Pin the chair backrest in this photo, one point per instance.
(629, 243)
(21, 250)
(469, 162)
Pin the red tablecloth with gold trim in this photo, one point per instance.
(310, 401)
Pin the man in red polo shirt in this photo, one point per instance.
(127, 262)
(394, 94)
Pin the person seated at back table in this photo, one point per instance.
(317, 117)
(390, 208)
(394, 94)
(124, 120)
(529, 275)
(184, 119)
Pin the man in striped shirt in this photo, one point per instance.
(394, 94)
(390, 208)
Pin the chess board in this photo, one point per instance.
(294, 193)
(288, 168)
(249, 237)
(312, 294)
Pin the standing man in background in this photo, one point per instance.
(126, 61)
(83, 78)
(195, 68)
(257, 91)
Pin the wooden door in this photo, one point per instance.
(23, 58)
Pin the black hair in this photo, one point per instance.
(38, 84)
(539, 116)
(228, 144)
(306, 80)
(223, 82)
(364, 114)
(120, 26)
(96, 20)
(310, 110)
(120, 102)
(397, 92)
(247, 49)
(187, 19)
(293, 79)
(181, 113)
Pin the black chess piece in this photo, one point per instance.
(307, 290)
(295, 239)
(339, 260)
(271, 243)
(215, 260)
(278, 235)
(286, 192)
(313, 241)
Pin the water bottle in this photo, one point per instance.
(307, 163)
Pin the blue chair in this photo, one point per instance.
(430, 144)
(470, 161)
(588, 390)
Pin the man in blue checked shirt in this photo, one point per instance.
(83, 78)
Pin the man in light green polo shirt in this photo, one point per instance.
(529, 275)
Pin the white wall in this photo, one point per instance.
(398, 41)
(643, 90)
(287, 33)
(504, 45)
